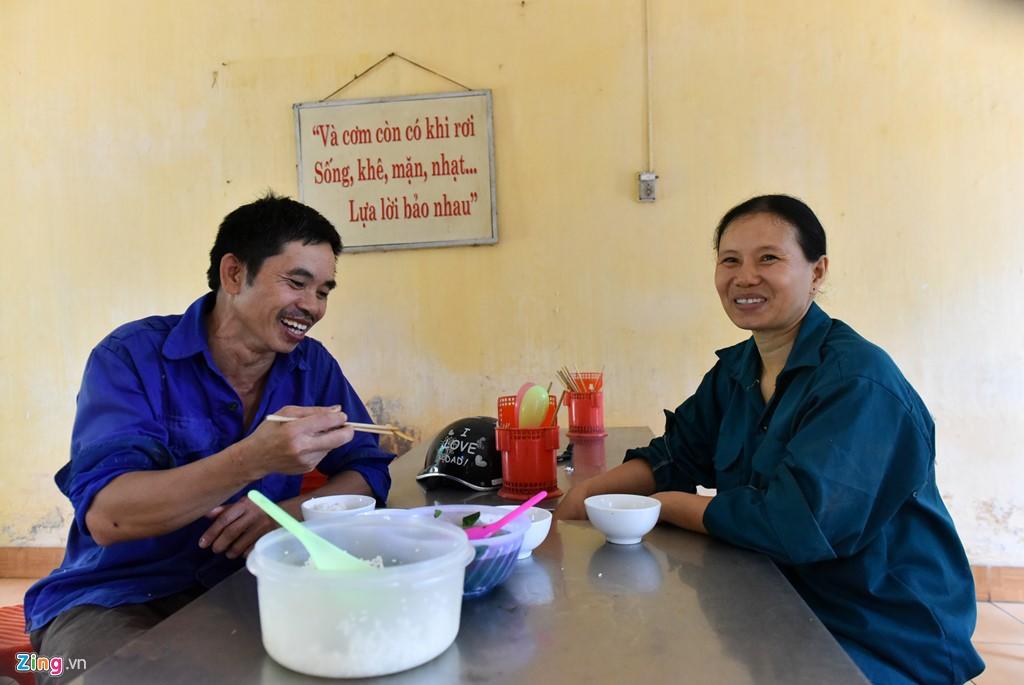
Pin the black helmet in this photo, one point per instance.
(464, 453)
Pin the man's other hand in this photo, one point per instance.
(235, 529)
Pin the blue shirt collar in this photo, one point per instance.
(188, 337)
(806, 349)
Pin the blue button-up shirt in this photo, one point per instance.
(834, 479)
(152, 398)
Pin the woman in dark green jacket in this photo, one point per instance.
(822, 455)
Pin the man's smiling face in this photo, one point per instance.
(286, 297)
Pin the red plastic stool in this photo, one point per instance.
(311, 481)
(14, 639)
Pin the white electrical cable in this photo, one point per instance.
(647, 86)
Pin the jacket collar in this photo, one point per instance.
(188, 337)
(806, 349)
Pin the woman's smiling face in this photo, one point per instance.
(763, 278)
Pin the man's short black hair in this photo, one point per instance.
(261, 229)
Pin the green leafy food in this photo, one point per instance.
(467, 521)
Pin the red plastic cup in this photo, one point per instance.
(586, 414)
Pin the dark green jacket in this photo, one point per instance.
(835, 480)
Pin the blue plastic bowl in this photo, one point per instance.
(495, 557)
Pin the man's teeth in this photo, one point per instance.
(295, 325)
(749, 300)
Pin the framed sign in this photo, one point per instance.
(401, 172)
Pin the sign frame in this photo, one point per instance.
(483, 238)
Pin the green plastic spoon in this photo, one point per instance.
(323, 554)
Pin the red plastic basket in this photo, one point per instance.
(507, 412)
(586, 414)
(588, 381)
(528, 459)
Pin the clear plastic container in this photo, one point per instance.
(355, 624)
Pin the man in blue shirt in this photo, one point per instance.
(823, 457)
(170, 434)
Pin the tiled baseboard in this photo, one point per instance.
(999, 583)
(992, 583)
(29, 562)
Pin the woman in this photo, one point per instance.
(822, 455)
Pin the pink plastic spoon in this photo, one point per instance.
(492, 528)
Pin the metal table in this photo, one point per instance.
(678, 607)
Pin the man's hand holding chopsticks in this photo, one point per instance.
(297, 446)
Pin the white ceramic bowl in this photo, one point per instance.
(336, 506)
(624, 519)
(540, 524)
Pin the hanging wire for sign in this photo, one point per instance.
(385, 59)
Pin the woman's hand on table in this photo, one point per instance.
(683, 509)
(571, 507)
(634, 476)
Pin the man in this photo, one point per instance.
(169, 435)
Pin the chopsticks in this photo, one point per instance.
(577, 382)
(385, 429)
(567, 380)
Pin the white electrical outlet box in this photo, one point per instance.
(646, 192)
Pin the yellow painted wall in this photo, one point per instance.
(128, 129)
